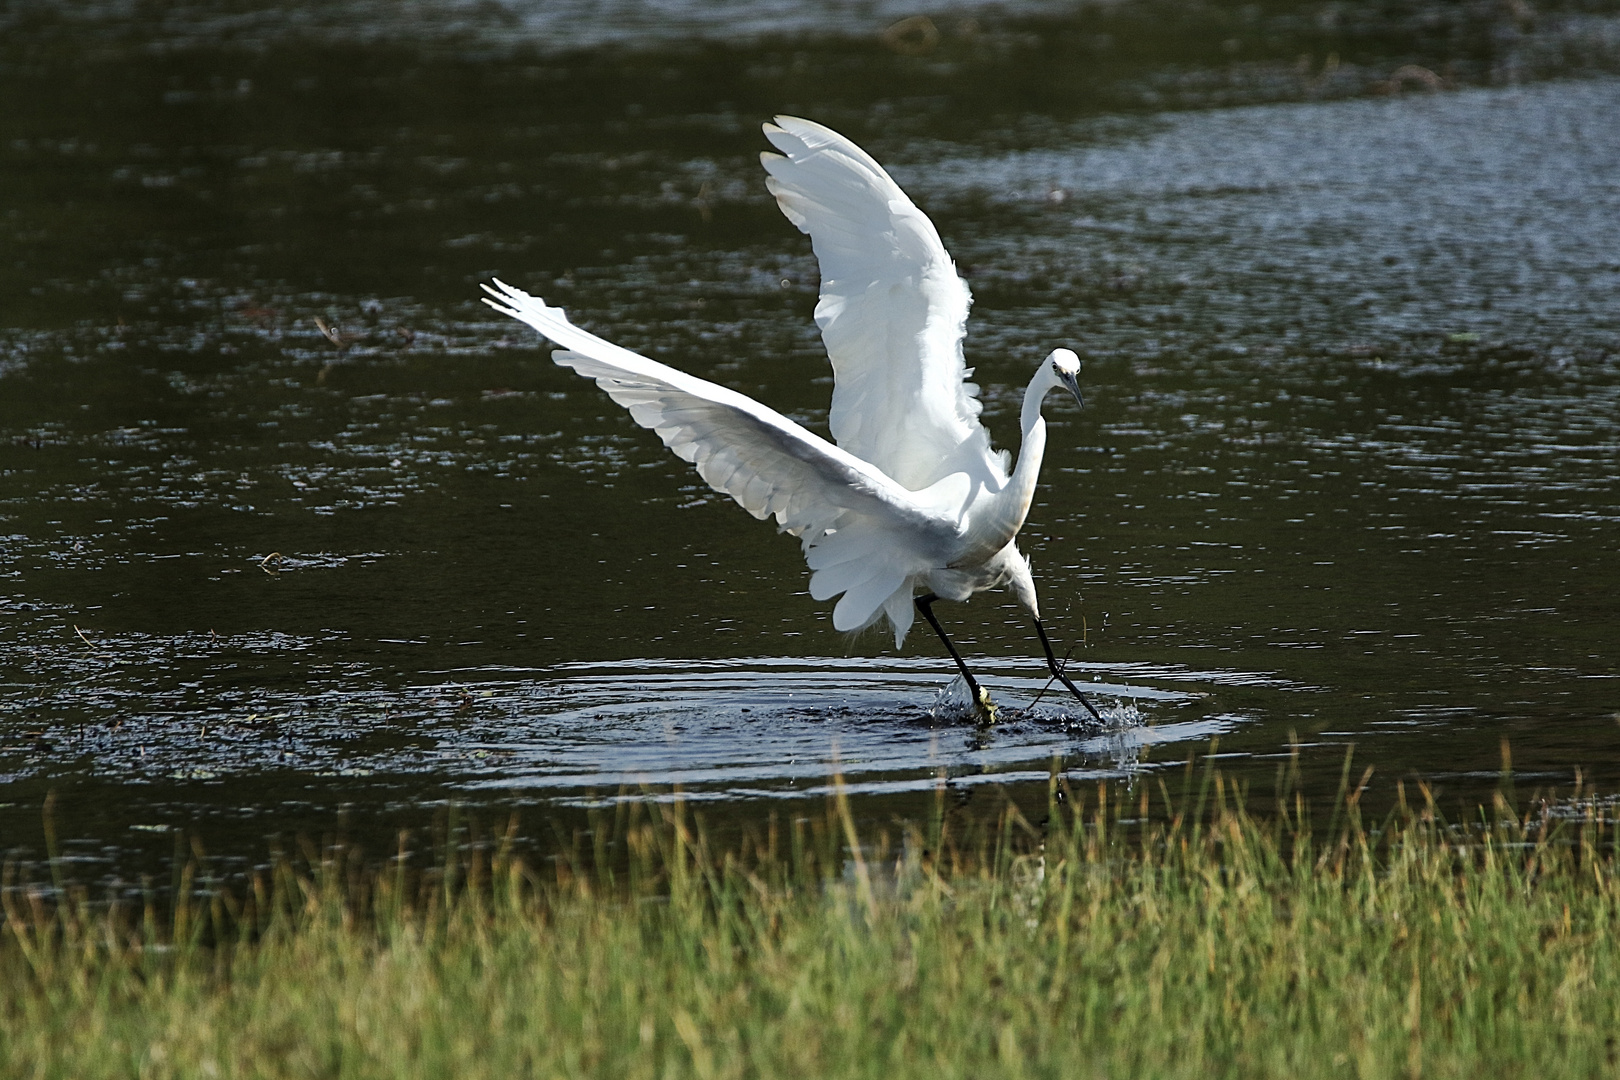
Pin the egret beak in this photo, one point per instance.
(1071, 383)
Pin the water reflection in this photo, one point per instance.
(1348, 465)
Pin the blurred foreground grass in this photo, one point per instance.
(1110, 940)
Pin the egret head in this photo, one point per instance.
(1065, 367)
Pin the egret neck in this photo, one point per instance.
(994, 524)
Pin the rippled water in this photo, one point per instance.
(1347, 471)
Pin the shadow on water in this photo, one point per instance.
(290, 525)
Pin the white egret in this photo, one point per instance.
(912, 497)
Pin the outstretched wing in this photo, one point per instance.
(768, 463)
(892, 311)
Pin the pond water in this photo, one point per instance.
(1347, 287)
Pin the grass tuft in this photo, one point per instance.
(1165, 937)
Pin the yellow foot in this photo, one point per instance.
(987, 708)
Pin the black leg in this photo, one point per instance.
(925, 604)
(1057, 670)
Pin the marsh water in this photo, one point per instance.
(293, 529)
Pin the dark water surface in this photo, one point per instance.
(1349, 467)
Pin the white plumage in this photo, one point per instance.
(912, 496)
(892, 311)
